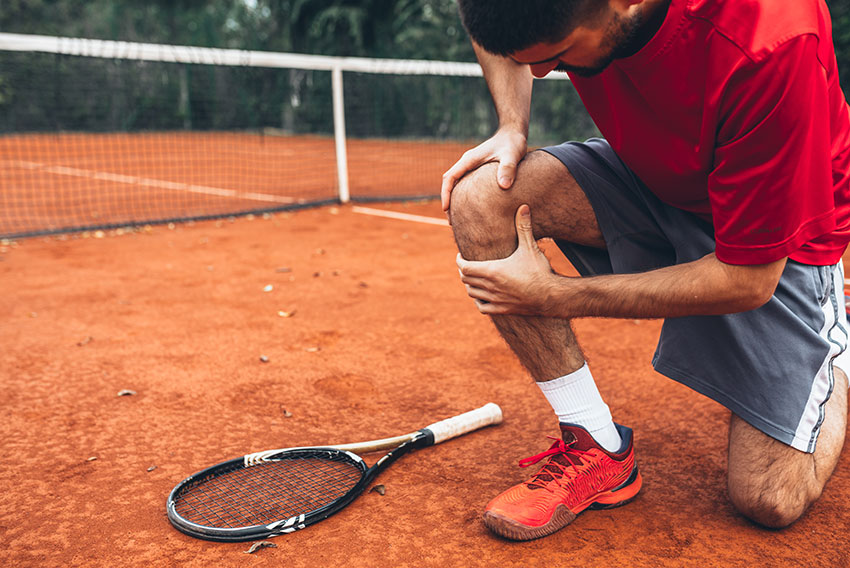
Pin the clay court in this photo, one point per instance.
(187, 322)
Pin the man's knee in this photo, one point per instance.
(769, 482)
(771, 504)
(482, 215)
(475, 193)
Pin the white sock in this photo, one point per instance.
(576, 400)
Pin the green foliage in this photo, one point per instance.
(33, 93)
(5, 91)
(840, 11)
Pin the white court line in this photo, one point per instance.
(147, 182)
(400, 216)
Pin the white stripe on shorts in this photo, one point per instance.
(834, 331)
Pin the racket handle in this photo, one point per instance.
(450, 428)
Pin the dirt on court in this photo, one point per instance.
(381, 340)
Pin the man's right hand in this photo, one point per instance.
(507, 147)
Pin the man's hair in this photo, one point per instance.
(503, 27)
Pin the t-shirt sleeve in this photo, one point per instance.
(771, 185)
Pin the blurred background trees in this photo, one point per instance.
(422, 29)
(193, 97)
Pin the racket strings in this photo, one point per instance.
(267, 492)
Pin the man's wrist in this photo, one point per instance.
(556, 288)
(515, 127)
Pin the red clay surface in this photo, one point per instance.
(180, 317)
(56, 181)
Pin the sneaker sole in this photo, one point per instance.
(513, 530)
(510, 529)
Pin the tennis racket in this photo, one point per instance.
(276, 492)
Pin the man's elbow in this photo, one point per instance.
(757, 298)
(756, 294)
(754, 286)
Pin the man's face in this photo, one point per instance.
(586, 51)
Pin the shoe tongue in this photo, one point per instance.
(577, 438)
(580, 438)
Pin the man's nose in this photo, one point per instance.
(540, 70)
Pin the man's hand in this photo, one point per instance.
(524, 284)
(507, 147)
(518, 284)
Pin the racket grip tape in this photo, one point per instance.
(450, 428)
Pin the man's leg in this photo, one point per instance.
(773, 484)
(593, 467)
(482, 216)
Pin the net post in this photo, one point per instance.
(339, 134)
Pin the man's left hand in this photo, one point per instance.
(519, 284)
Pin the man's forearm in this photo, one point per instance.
(510, 86)
(703, 287)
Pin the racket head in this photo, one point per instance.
(246, 498)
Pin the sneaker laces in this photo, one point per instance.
(563, 460)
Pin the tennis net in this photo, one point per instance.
(99, 134)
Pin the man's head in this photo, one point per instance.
(581, 36)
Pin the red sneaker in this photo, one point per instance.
(579, 475)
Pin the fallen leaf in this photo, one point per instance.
(264, 359)
(151, 468)
(91, 459)
(284, 314)
(126, 392)
(379, 489)
(258, 545)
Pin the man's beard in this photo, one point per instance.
(622, 39)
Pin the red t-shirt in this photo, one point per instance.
(733, 111)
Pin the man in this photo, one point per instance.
(719, 200)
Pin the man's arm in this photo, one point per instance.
(510, 87)
(524, 284)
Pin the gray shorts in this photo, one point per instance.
(772, 366)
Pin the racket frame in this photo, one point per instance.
(398, 446)
(413, 441)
